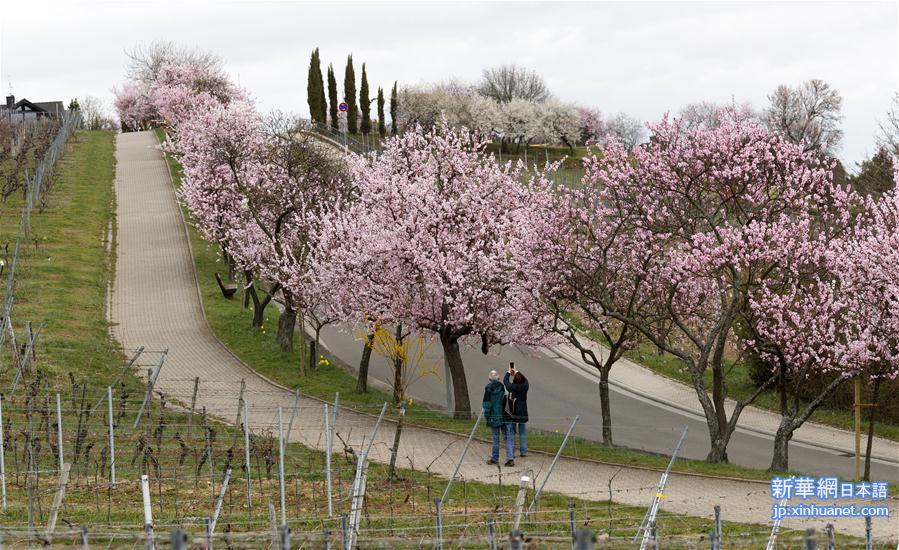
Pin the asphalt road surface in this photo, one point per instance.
(561, 388)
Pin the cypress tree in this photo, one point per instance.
(322, 100)
(315, 94)
(382, 124)
(394, 106)
(332, 96)
(349, 95)
(365, 103)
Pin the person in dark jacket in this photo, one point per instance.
(494, 412)
(517, 386)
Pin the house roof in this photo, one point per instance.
(49, 107)
(54, 107)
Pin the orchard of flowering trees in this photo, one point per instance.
(716, 238)
(513, 120)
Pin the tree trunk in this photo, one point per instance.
(391, 470)
(362, 378)
(313, 353)
(457, 372)
(719, 435)
(780, 459)
(258, 305)
(399, 385)
(719, 394)
(228, 262)
(287, 323)
(302, 321)
(249, 291)
(258, 312)
(871, 417)
(718, 452)
(605, 406)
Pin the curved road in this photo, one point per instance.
(562, 387)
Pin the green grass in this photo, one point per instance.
(62, 276)
(232, 324)
(740, 386)
(570, 171)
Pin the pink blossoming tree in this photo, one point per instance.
(259, 190)
(177, 90)
(870, 269)
(802, 316)
(712, 205)
(597, 262)
(833, 311)
(218, 150)
(435, 241)
(133, 106)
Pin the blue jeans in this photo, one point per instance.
(522, 436)
(509, 436)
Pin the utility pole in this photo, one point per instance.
(858, 427)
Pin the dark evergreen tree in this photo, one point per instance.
(315, 89)
(394, 107)
(365, 104)
(322, 100)
(332, 97)
(310, 86)
(875, 175)
(382, 124)
(349, 95)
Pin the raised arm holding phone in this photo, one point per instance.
(517, 385)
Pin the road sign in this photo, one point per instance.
(343, 107)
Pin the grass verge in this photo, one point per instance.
(63, 271)
(740, 386)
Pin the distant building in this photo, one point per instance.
(27, 110)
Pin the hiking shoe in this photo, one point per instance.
(510, 463)
(522, 455)
(492, 462)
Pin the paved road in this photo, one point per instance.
(561, 388)
(155, 303)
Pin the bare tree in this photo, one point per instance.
(145, 59)
(627, 129)
(94, 114)
(808, 114)
(707, 114)
(22, 144)
(889, 129)
(507, 82)
(411, 357)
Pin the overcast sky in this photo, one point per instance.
(643, 58)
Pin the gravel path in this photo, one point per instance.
(155, 303)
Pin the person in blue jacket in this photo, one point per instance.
(517, 386)
(494, 415)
